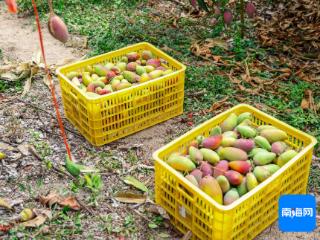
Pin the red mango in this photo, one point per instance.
(221, 168)
(240, 166)
(212, 142)
(234, 177)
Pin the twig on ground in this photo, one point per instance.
(33, 151)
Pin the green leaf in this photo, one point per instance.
(152, 225)
(136, 183)
(203, 5)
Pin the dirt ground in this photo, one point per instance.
(21, 118)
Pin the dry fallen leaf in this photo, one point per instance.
(53, 198)
(129, 197)
(70, 202)
(41, 216)
(5, 204)
(308, 101)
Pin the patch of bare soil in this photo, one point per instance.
(19, 40)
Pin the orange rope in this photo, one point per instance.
(52, 88)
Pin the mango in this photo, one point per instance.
(131, 66)
(98, 83)
(240, 166)
(173, 155)
(115, 83)
(246, 131)
(286, 157)
(76, 81)
(232, 134)
(272, 168)
(102, 91)
(200, 139)
(251, 181)
(100, 70)
(109, 65)
(140, 70)
(58, 28)
(133, 56)
(215, 131)
(221, 168)
(123, 85)
(116, 70)
(210, 155)
(231, 196)
(244, 144)
(92, 95)
(91, 87)
(255, 151)
(223, 183)
(26, 214)
(119, 77)
(181, 163)
(146, 55)
(262, 142)
(108, 87)
(143, 62)
(71, 75)
(228, 141)
(274, 135)
(242, 188)
(278, 147)
(233, 154)
(206, 169)
(246, 122)
(234, 177)
(261, 173)
(265, 127)
(110, 76)
(144, 78)
(263, 158)
(193, 143)
(244, 116)
(149, 68)
(192, 179)
(122, 66)
(210, 186)
(89, 69)
(154, 62)
(155, 74)
(212, 142)
(86, 78)
(197, 173)
(167, 72)
(229, 123)
(124, 59)
(95, 76)
(82, 87)
(195, 154)
(131, 76)
(161, 68)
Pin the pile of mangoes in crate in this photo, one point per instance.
(234, 159)
(134, 68)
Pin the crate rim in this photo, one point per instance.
(106, 97)
(249, 194)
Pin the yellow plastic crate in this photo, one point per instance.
(107, 118)
(192, 209)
